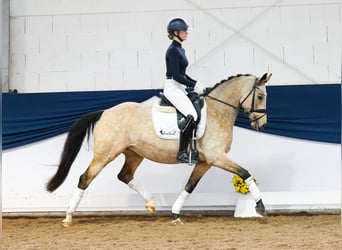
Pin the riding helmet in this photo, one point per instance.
(177, 24)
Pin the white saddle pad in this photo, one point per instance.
(165, 121)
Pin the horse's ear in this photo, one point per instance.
(265, 78)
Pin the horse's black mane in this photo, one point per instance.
(207, 92)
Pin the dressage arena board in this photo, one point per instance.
(281, 176)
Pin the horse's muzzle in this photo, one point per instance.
(259, 122)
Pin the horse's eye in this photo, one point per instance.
(260, 97)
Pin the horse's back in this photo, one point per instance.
(126, 110)
(127, 116)
(129, 125)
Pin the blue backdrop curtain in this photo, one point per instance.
(311, 112)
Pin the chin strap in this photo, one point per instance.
(180, 39)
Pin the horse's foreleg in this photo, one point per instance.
(126, 175)
(255, 193)
(234, 168)
(253, 189)
(196, 175)
(177, 206)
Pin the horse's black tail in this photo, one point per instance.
(72, 146)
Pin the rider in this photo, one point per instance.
(176, 83)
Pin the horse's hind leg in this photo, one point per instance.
(126, 175)
(196, 175)
(85, 179)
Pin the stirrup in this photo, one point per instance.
(188, 157)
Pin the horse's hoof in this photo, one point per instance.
(150, 207)
(177, 222)
(66, 223)
(260, 208)
(68, 220)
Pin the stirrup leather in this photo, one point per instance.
(186, 155)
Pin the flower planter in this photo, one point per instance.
(245, 207)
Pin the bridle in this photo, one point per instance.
(251, 110)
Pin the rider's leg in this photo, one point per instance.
(186, 133)
(176, 94)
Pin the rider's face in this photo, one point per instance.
(183, 34)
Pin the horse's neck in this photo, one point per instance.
(230, 94)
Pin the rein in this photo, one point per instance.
(223, 102)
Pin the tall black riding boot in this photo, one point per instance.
(183, 155)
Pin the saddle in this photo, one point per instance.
(197, 102)
(167, 120)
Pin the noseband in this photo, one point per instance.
(251, 110)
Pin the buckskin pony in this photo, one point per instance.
(127, 128)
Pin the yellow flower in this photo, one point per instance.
(240, 185)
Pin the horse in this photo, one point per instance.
(127, 129)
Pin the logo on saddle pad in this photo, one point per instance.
(165, 121)
(173, 132)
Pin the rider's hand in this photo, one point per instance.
(199, 88)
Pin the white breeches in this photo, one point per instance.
(177, 95)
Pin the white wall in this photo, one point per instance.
(100, 45)
(4, 43)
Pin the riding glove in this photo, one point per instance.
(199, 88)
